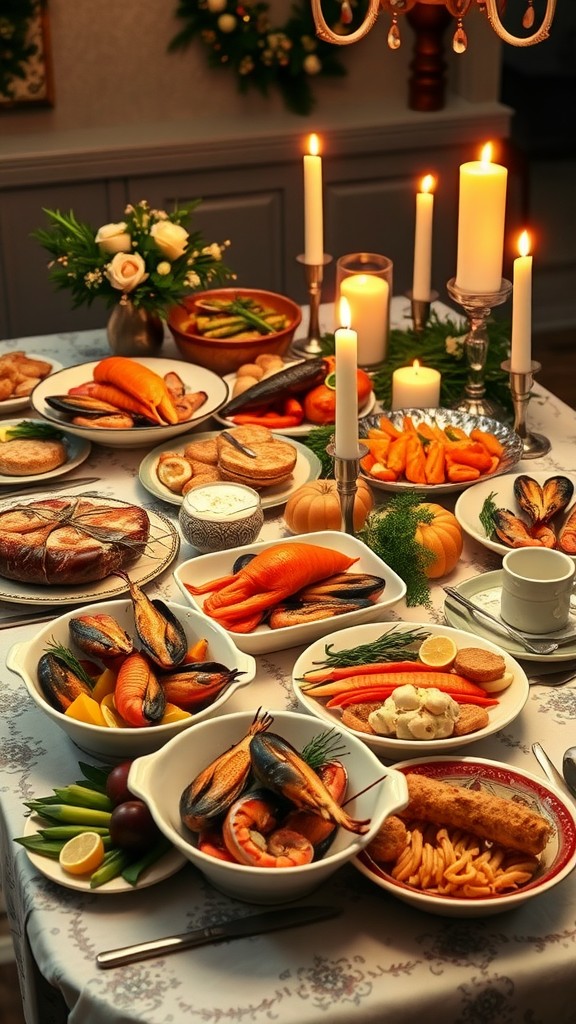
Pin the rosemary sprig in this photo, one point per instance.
(387, 647)
(322, 748)
(66, 655)
(486, 514)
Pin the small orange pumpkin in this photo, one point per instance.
(316, 506)
(443, 537)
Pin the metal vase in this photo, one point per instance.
(133, 331)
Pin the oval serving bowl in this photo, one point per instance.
(118, 744)
(444, 418)
(160, 779)
(225, 355)
(469, 505)
(262, 640)
(510, 701)
(557, 859)
(195, 378)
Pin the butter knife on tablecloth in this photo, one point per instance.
(58, 485)
(255, 924)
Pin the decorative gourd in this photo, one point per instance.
(443, 537)
(316, 506)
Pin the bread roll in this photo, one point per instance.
(27, 456)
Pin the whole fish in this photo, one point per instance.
(294, 380)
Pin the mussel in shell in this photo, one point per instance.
(541, 504)
(58, 681)
(100, 635)
(344, 585)
(162, 635)
(513, 531)
(80, 405)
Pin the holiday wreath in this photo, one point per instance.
(242, 36)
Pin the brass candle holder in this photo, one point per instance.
(478, 307)
(311, 346)
(420, 310)
(533, 445)
(346, 475)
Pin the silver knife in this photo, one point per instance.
(58, 485)
(238, 445)
(550, 769)
(256, 924)
(29, 618)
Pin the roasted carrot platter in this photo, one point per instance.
(435, 450)
(407, 688)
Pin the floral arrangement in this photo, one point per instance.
(241, 36)
(150, 258)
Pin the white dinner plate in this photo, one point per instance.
(168, 865)
(9, 405)
(444, 418)
(161, 549)
(306, 426)
(78, 451)
(195, 378)
(510, 701)
(485, 590)
(469, 505)
(308, 467)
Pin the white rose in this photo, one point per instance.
(170, 238)
(126, 271)
(113, 238)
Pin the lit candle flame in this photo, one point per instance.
(486, 155)
(345, 314)
(524, 244)
(313, 145)
(428, 182)
(416, 365)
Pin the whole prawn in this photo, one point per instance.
(138, 695)
(240, 600)
(250, 835)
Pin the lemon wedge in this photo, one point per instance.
(82, 854)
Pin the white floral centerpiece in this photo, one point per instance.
(150, 259)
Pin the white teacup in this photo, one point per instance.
(537, 584)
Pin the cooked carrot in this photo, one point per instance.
(426, 432)
(489, 440)
(397, 455)
(138, 381)
(408, 424)
(381, 693)
(117, 397)
(325, 675)
(471, 454)
(415, 470)
(197, 652)
(382, 472)
(457, 473)
(367, 461)
(388, 427)
(434, 468)
(419, 676)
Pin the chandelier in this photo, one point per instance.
(457, 8)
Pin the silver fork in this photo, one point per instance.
(534, 646)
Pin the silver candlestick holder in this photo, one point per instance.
(478, 307)
(346, 475)
(311, 346)
(533, 445)
(420, 310)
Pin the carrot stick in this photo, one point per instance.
(446, 681)
(138, 381)
(489, 440)
(380, 693)
(325, 675)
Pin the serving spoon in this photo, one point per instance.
(534, 646)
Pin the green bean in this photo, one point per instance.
(81, 796)
(133, 872)
(70, 831)
(114, 863)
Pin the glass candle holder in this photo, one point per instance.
(364, 279)
(220, 515)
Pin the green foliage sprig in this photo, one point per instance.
(242, 37)
(149, 258)
(15, 48)
(391, 533)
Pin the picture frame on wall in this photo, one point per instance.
(27, 79)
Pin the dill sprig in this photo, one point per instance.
(391, 533)
(33, 429)
(486, 514)
(322, 748)
(66, 655)
(389, 646)
(318, 440)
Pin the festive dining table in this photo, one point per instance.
(380, 960)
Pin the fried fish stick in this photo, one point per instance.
(504, 822)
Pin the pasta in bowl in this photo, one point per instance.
(522, 842)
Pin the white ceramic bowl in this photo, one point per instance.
(195, 378)
(557, 859)
(263, 639)
(118, 744)
(469, 505)
(160, 779)
(510, 701)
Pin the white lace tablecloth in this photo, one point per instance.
(380, 961)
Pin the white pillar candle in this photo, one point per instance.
(313, 211)
(481, 219)
(521, 349)
(415, 387)
(346, 426)
(368, 297)
(422, 272)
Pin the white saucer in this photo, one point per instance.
(485, 591)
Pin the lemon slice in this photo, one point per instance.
(438, 652)
(82, 854)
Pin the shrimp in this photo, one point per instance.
(250, 835)
(138, 696)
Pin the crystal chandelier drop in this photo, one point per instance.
(457, 8)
